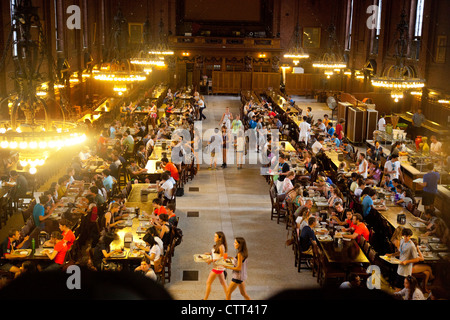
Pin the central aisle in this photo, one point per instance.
(236, 202)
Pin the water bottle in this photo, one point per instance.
(33, 246)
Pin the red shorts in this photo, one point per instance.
(217, 271)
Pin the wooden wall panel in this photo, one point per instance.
(301, 84)
(234, 82)
(263, 80)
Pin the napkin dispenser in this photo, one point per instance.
(340, 156)
(144, 195)
(401, 218)
(127, 239)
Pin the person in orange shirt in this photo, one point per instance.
(158, 207)
(59, 251)
(169, 166)
(360, 228)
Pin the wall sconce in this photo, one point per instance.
(185, 54)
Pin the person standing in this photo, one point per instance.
(430, 184)
(305, 128)
(408, 255)
(218, 252)
(239, 268)
(363, 166)
(340, 129)
(240, 149)
(435, 146)
(201, 107)
(226, 118)
(392, 168)
(283, 170)
(417, 120)
(382, 123)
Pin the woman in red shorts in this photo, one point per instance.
(218, 253)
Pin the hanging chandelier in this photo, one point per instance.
(331, 61)
(400, 77)
(153, 54)
(119, 69)
(296, 51)
(31, 130)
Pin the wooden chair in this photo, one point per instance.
(316, 271)
(302, 258)
(123, 176)
(165, 272)
(25, 200)
(290, 219)
(273, 196)
(4, 211)
(328, 271)
(372, 255)
(281, 212)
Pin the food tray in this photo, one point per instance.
(428, 255)
(201, 257)
(22, 251)
(391, 260)
(39, 252)
(418, 224)
(135, 254)
(438, 247)
(325, 238)
(118, 255)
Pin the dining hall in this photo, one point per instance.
(225, 150)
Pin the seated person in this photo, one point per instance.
(347, 149)
(347, 222)
(108, 180)
(146, 270)
(84, 154)
(136, 171)
(165, 188)
(39, 214)
(158, 208)
(330, 130)
(335, 140)
(63, 182)
(171, 214)
(19, 184)
(360, 188)
(58, 254)
(7, 248)
(374, 173)
(169, 166)
(354, 181)
(387, 183)
(308, 237)
(360, 229)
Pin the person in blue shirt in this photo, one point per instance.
(388, 183)
(252, 123)
(108, 180)
(430, 184)
(367, 203)
(336, 140)
(330, 129)
(39, 212)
